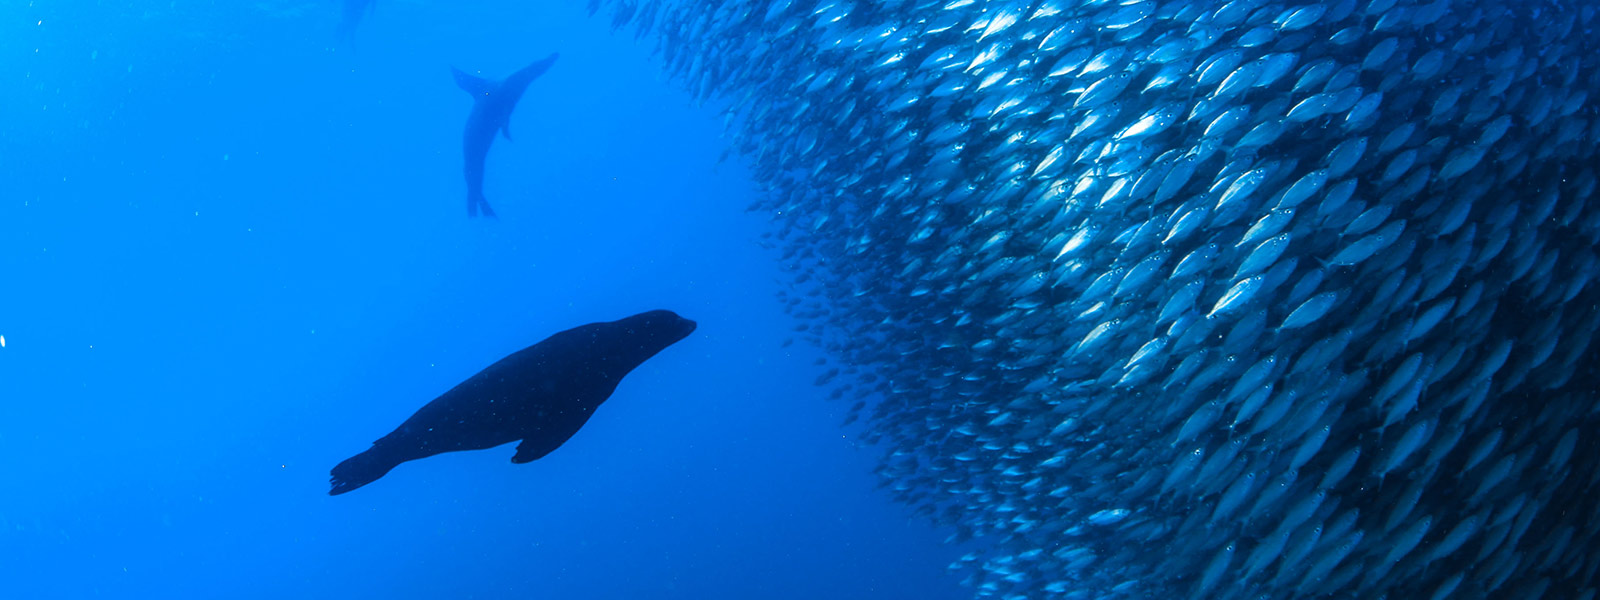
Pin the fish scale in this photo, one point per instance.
(1461, 133)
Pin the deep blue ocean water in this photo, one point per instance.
(233, 254)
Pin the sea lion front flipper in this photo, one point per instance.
(474, 85)
(548, 437)
(530, 450)
(534, 448)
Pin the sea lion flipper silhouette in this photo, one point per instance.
(350, 17)
(539, 444)
(541, 395)
(361, 469)
(472, 84)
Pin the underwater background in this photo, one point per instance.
(1013, 299)
(233, 254)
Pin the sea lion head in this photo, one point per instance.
(662, 327)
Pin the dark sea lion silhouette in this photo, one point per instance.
(491, 113)
(350, 16)
(541, 395)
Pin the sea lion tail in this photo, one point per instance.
(359, 470)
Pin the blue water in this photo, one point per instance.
(232, 255)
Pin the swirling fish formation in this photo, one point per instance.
(1192, 299)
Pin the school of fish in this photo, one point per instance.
(1190, 298)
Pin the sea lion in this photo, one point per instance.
(492, 103)
(540, 395)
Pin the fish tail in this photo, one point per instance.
(359, 470)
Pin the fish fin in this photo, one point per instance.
(472, 84)
(505, 129)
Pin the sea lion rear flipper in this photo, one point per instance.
(359, 470)
(479, 205)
